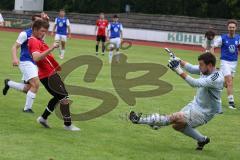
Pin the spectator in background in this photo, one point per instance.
(208, 44)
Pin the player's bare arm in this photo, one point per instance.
(69, 32)
(15, 48)
(37, 56)
(121, 35)
(54, 28)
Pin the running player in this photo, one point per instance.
(63, 29)
(101, 26)
(47, 71)
(229, 56)
(202, 109)
(28, 68)
(115, 29)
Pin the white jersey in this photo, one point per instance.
(208, 96)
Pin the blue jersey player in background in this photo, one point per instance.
(62, 28)
(27, 67)
(229, 44)
(115, 37)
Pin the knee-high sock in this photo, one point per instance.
(103, 48)
(189, 131)
(110, 56)
(96, 48)
(117, 56)
(15, 85)
(29, 100)
(155, 119)
(62, 52)
(66, 114)
(230, 98)
(50, 107)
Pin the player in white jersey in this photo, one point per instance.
(204, 106)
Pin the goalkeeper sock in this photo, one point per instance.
(155, 119)
(189, 131)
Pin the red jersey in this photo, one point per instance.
(102, 25)
(46, 66)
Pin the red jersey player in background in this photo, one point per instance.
(47, 72)
(101, 27)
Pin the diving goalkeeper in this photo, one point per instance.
(204, 106)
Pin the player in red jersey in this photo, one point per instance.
(101, 27)
(47, 72)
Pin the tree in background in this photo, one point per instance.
(196, 8)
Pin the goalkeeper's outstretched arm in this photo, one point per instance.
(193, 69)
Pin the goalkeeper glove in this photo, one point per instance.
(175, 66)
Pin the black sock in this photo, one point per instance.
(45, 114)
(103, 48)
(50, 107)
(66, 114)
(96, 48)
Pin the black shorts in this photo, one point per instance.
(55, 86)
(101, 38)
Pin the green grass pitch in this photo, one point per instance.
(110, 136)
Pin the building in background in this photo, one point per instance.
(28, 5)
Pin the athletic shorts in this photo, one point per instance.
(116, 42)
(28, 69)
(55, 86)
(194, 117)
(101, 38)
(228, 67)
(59, 37)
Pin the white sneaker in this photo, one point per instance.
(43, 122)
(231, 107)
(61, 56)
(71, 128)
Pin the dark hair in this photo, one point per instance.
(62, 10)
(40, 24)
(207, 58)
(34, 17)
(115, 16)
(210, 34)
(232, 21)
